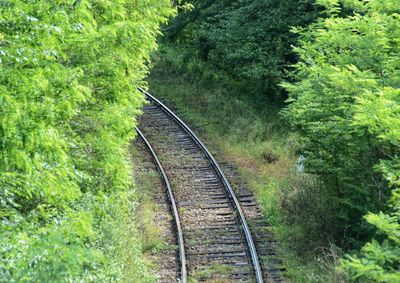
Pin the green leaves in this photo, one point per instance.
(249, 41)
(381, 113)
(345, 103)
(68, 102)
(379, 261)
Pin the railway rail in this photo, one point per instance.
(214, 238)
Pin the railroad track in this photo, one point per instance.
(214, 239)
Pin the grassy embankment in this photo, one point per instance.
(251, 134)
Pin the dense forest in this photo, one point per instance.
(304, 96)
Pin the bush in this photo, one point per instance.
(379, 261)
(247, 40)
(345, 105)
(342, 62)
(67, 107)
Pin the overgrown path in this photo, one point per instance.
(217, 242)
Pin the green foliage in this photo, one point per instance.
(248, 40)
(345, 105)
(380, 113)
(67, 108)
(379, 260)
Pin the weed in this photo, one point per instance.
(215, 273)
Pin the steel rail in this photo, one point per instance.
(182, 253)
(231, 193)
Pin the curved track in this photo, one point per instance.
(174, 209)
(213, 235)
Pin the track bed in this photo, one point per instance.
(217, 243)
(215, 247)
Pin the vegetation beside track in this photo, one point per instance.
(67, 111)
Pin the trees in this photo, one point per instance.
(248, 40)
(68, 77)
(379, 112)
(379, 260)
(345, 105)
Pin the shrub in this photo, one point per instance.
(345, 105)
(247, 40)
(343, 61)
(68, 100)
